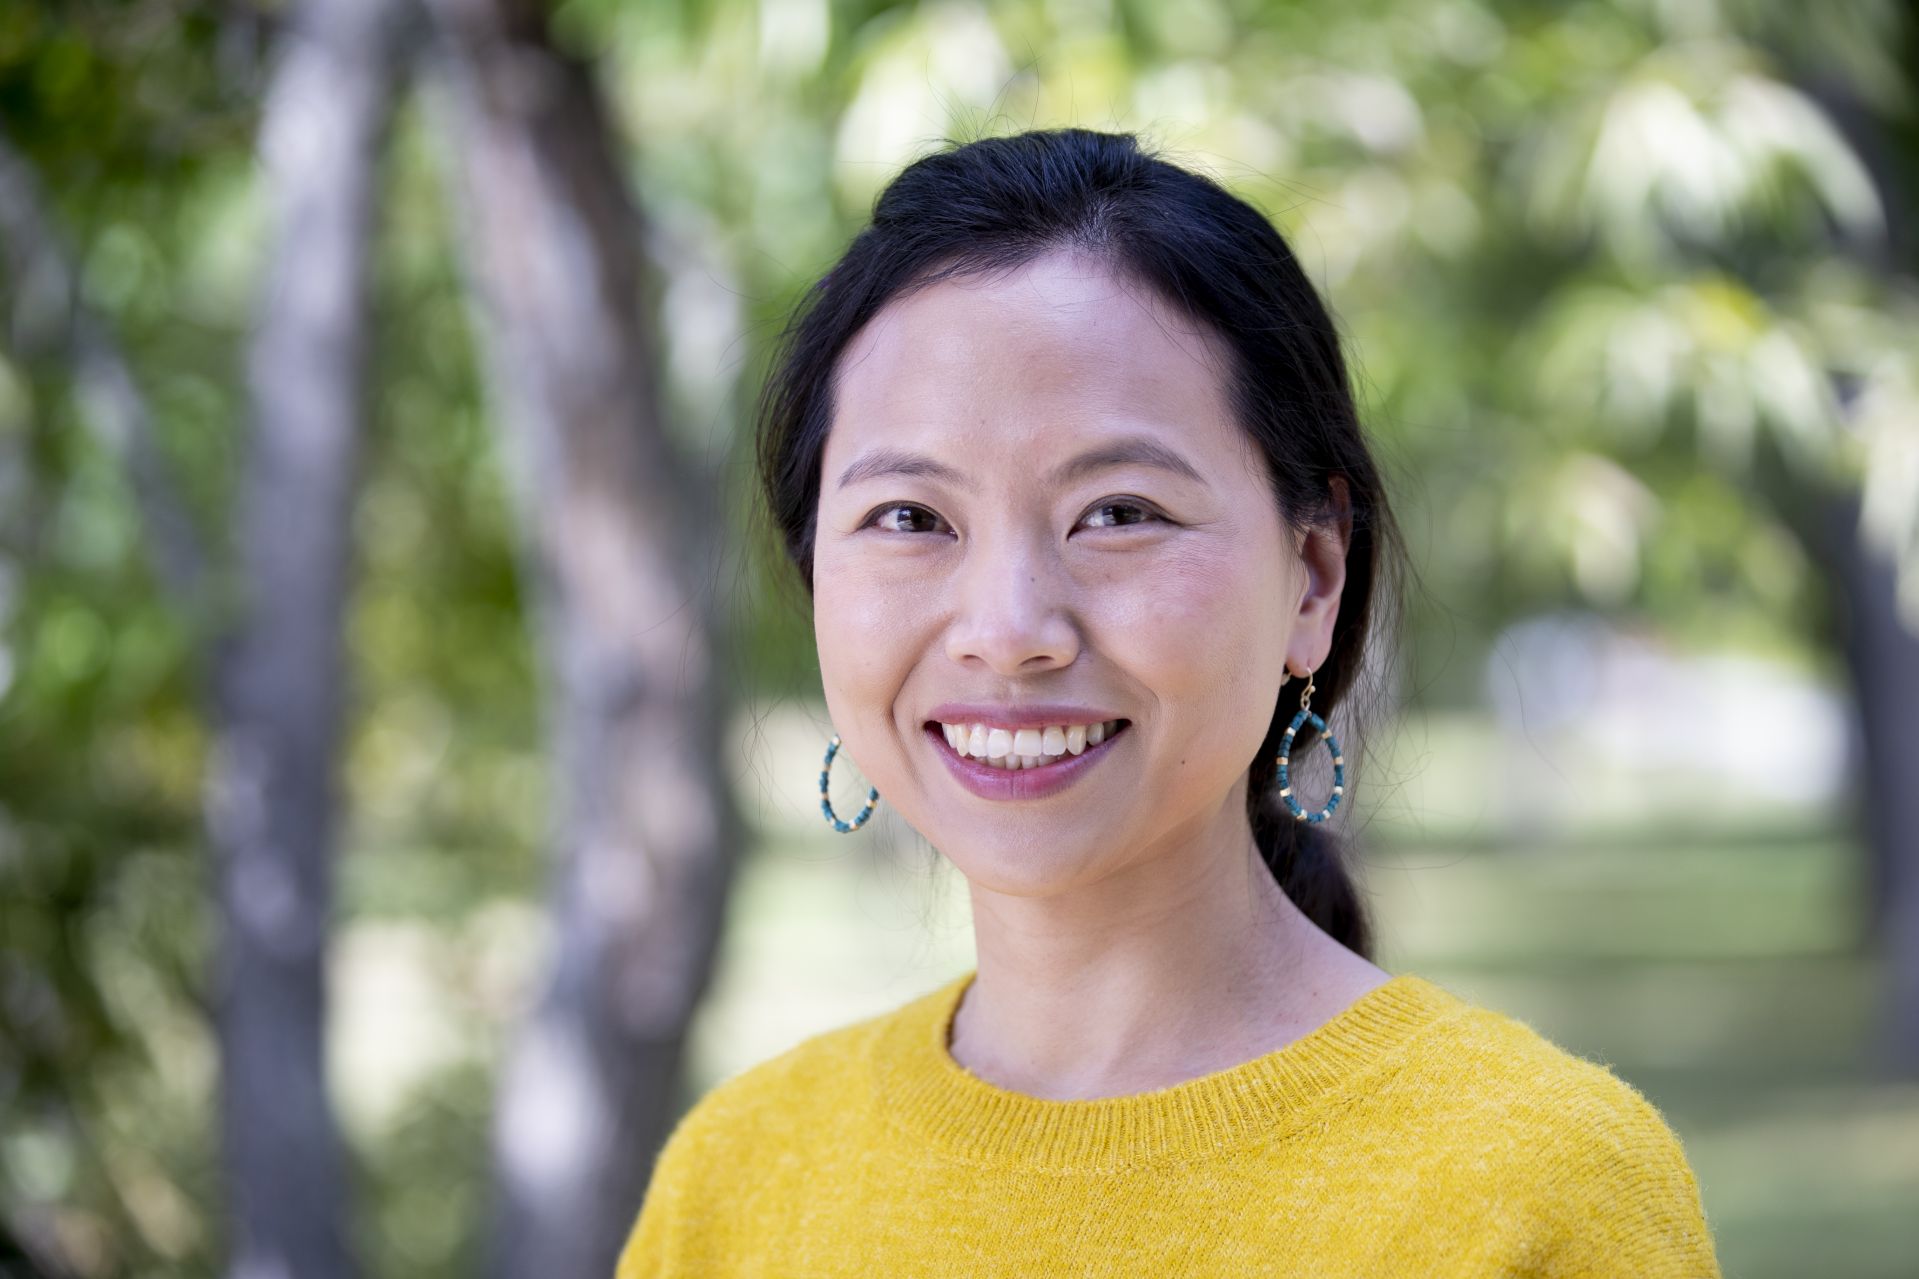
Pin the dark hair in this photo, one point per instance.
(995, 204)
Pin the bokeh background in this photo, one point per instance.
(406, 746)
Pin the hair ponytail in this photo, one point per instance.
(1309, 863)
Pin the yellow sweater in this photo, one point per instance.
(1413, 1134)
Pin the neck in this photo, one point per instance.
(1186, 961)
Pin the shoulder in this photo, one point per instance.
(766, 1118)
(828, 1071)
(1608, 1174)
(1519, 1077)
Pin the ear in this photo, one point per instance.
(1322, 553)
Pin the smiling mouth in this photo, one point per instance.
(1067, 743)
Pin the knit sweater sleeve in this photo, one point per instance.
(660, 1239)
(722, 1173)
(1632, 1204)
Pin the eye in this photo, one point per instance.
(884, 518)
(1121, 513)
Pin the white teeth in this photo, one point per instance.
(1025, 747)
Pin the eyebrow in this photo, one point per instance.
(1131, 450)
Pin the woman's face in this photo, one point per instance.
(1054, 520)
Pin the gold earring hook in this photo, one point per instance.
(1306, 694)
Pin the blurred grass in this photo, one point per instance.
(1722, 976)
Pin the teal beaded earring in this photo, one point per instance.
(1286, 758)
(826, 805)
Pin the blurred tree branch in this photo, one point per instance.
(37, 261)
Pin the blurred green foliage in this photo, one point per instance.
(1597, 261)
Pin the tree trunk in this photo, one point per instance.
(618, 534)
(1882, 653)
(277, 673)
(1882, 656)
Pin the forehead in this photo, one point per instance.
(1029, 364)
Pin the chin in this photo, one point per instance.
(1010, 867)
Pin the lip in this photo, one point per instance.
(1027, 783)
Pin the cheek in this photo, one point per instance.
(1207, 637)
(838, 625)
(866, 644)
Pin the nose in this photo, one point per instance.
(1014, 612)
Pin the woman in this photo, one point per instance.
(1065, 450)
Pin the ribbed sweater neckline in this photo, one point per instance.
(925, 1091)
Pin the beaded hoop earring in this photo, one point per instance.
(826, 805)
(1286, 758)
